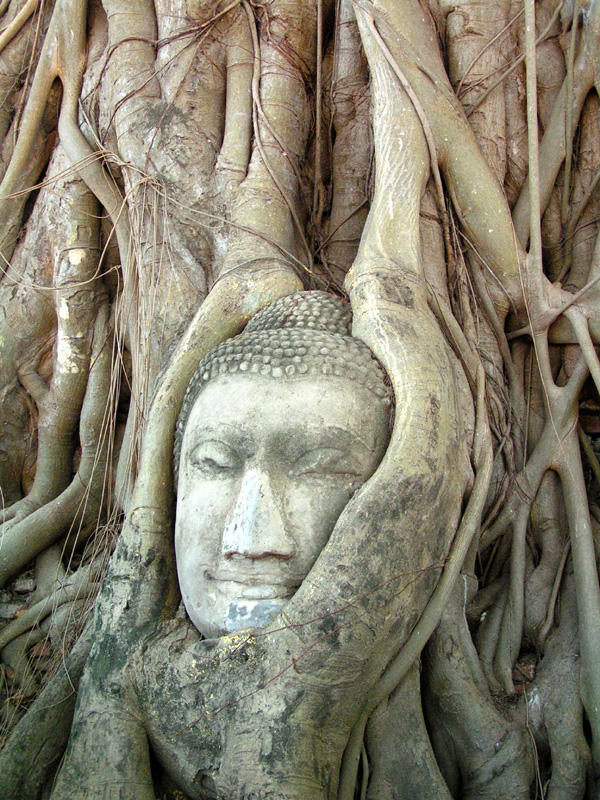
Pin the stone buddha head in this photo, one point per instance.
(278, 429)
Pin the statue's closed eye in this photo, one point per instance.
(327, 461)
(214, 458)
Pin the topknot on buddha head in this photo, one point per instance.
(303, 335)
(305, 311)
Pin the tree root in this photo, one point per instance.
(419, 125)
(49, 572)
(14, 657)
(550, 531)
(77, 298)
(554, 705)
(558, 431)
(410, 651)
(79, 585)
(402, 762)
(28, 158)
(350, 98)
(16, 24)
(31, 753)
(586, 582)
(454, 138)
(83, 498)
(492, 755)
(554, 142)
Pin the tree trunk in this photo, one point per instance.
(169, 168)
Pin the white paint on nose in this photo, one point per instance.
(256, 528)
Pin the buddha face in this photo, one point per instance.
(267, 465)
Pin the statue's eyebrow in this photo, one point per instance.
(216, 426)
(213, 429)
(336, 430)
(234, 434)
(332, 431)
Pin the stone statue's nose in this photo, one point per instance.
(255, 528)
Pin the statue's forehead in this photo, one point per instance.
(237, 406)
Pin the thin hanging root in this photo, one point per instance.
(194, 9)
(527, 483)
(13, 28)
(549, 621)
(572, 227)
(410, 651)
(554, 142)
(56, 625)
(550, 315)
(455, 334)
(517, 62)
(511, 629)
(467, 72)
(580, 326)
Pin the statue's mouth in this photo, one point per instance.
(253, 587)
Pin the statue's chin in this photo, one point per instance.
(252, 613)
(239, 614)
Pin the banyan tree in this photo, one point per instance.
(425, 174)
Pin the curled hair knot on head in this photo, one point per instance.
(302, 335)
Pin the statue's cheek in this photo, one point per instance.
(313, 508)
(201, 515)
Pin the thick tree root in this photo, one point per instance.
(401, 759)
(554, 707)
(77, 298)
(82, 500)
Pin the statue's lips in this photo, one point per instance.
(252, 587)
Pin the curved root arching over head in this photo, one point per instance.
(168, 169)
